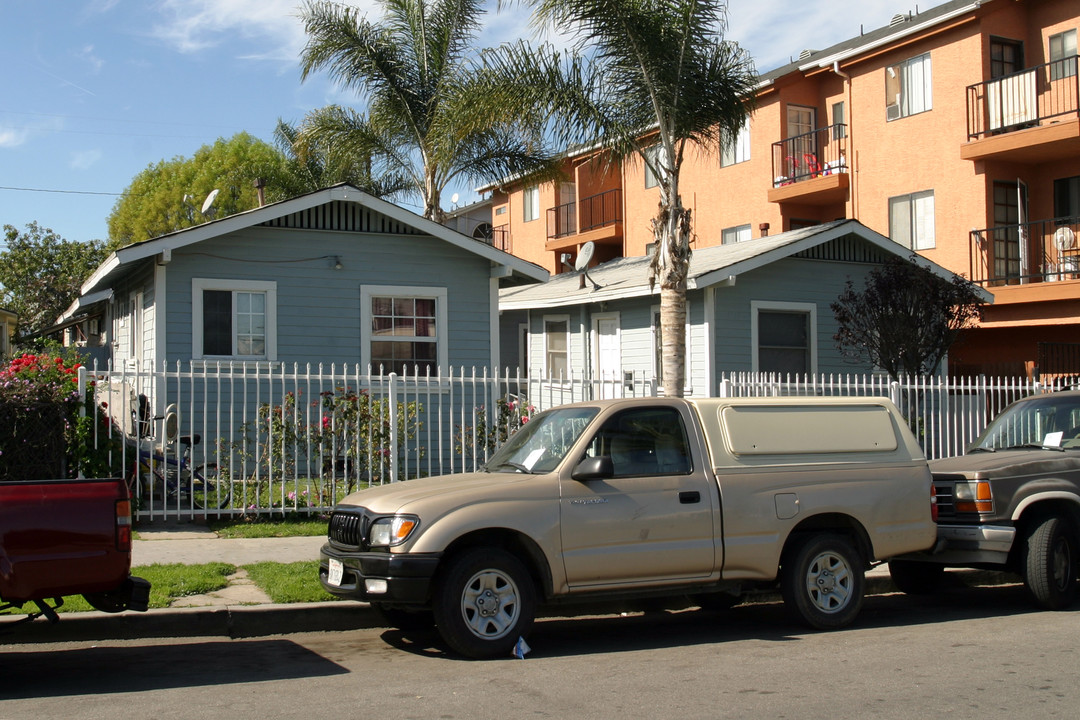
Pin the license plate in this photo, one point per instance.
(337, 570)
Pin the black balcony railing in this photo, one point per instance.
(500, 238)
(1023, 99)
(810, 155)
(1039, 251)
(587, 214)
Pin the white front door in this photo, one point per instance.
(607, 357)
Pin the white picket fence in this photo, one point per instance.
(296, 439)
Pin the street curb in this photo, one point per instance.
(248, 621)
(234, 621)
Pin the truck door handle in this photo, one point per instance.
(688, 498)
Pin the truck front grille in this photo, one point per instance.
(349, 528)
(945, 491)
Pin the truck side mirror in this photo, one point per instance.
(594, 468)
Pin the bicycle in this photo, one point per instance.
(163, 471)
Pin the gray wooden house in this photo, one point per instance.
(334, 276)
(756, 306)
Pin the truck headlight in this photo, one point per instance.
(394, 530)
(973, 497)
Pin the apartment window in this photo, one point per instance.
(732, 235)
(234, 319)
(908, 88)
(783, 336)
(1067, 198)
(407, 327)
(1063, 55)
(531, 198)
(911, 220)
(1006, 57)
(652, 158)
(839, 121)
(736, 150)
(557, 347)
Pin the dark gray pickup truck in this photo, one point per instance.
(1011, 503)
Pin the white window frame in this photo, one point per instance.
(530, 198)
(548, 374)
(920, 220)
(737, 234)
(651, 155)
(733, 152)
(759, 306)
(914, 94)
(268, 287)
(438, 294)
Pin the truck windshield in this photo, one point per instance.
(1050, 421)
(541, 445)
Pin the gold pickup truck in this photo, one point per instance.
(638, 498)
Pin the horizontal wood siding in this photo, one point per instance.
(318, 307)
(790, 280)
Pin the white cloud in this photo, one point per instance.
(89, 59)
(84, 159)
(13, 137)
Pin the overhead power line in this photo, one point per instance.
(63, 192)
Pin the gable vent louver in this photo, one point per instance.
(899, 19)
(805, 54)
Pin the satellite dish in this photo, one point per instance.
(1064, 238)
(209, 201)
(454, 198)
(584, 256)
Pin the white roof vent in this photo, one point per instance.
(805, 54)
(898, 19)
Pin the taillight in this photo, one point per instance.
(973, 497)
(123, 525)
(933, 503)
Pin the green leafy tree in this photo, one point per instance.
(648, 81)
(41, 273)
(429, 120)
(905, 318)
(168, 196)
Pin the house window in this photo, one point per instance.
(839, 121)
(652, 159)
(1063, 55)
(732, 235)
(557, 347)
(784, 337)
(908, 88)
(531, 198)
(407, 329)
(234, 319)
(1067, 199)
(911, 220)
(736, 150)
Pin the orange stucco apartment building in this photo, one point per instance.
(954, 131)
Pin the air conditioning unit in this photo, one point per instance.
(892, 112)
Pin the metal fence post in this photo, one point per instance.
(394, 439)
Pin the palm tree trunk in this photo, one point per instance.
(672, 231)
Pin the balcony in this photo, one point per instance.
(500, 238)
(1030, 116)
(812, 168)
(597, 218)
(1043, 251)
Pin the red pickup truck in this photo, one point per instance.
(67, 537)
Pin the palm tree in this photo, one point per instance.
(649, 79)
(427, 122)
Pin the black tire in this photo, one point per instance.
(402, 619)
(484, 601)
(1050, 563)
(917, 578)
(822, 581)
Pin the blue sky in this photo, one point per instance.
(94, 91)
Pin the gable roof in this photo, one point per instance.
(628, 277)
(388, 218)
